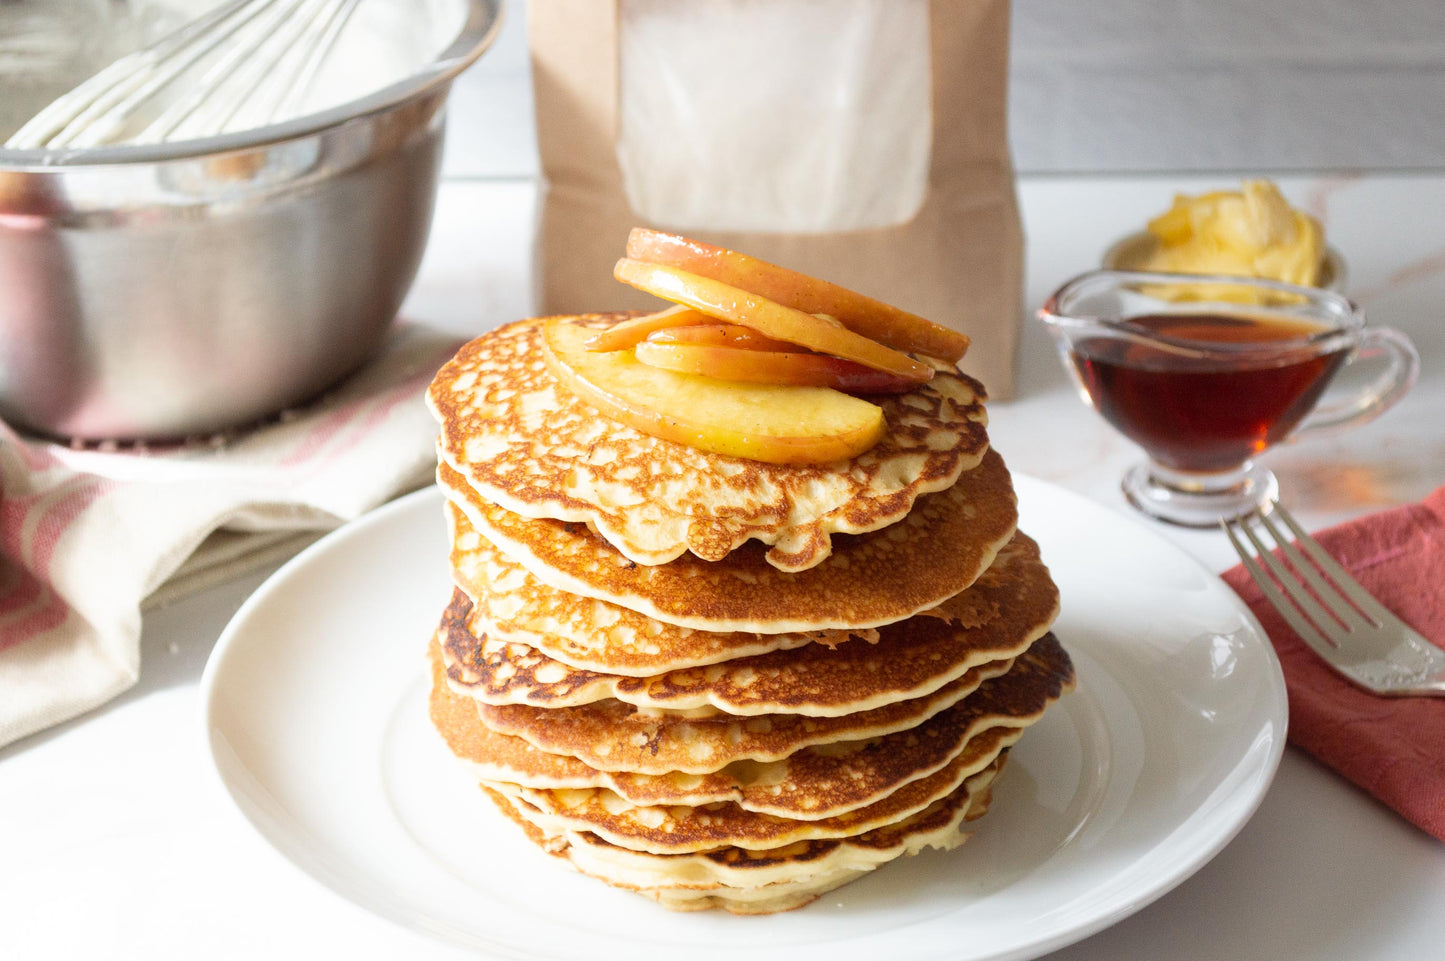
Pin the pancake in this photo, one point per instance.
(677, 829)
(1000, 615)
(527, 444)
(809, 784)
(681, 830)
(947, 540)
(764, 881)
(613, 736)
(513, 607)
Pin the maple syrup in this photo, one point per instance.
(1207, 411)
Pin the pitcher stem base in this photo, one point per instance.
(1198, 500)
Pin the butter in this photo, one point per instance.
(1253, 232)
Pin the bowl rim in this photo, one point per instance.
(478, 32)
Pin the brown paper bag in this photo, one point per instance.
(956, 260)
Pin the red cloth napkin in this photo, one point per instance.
(1394, 748)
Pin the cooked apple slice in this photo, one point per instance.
(631, 332)
(679, 324)
(873, 319)
(770, 367)
(725, 302)
(764, 422)
(721, 335)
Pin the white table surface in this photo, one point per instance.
(116, 841)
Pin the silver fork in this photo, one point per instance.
(1332, 613)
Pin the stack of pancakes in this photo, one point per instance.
(720, 682)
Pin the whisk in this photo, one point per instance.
(244, 64)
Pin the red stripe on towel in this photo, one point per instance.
(36, 456)
(24, 592)
(52, 613)
(59, 517)
(380, 410)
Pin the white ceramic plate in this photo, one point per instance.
(314, 706)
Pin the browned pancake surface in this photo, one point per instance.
(688, 828)
(513, 607)
(745, 881)
(1004, 611)
(525, 442)
(613, 736)
(947, 540)
(809, 784)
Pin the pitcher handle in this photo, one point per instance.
(1377, 396)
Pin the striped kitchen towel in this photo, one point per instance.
(91, 535)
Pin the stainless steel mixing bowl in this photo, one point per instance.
(181, 289)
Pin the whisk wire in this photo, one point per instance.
(250, 58)
(248, 42)
(116, 89)
(328, 33)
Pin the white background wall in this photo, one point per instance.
(1210, 84)
(1130, 85)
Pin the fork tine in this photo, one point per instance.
(1327, 593)
(1306, 630)
(1365, 604)
(1284, 576)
